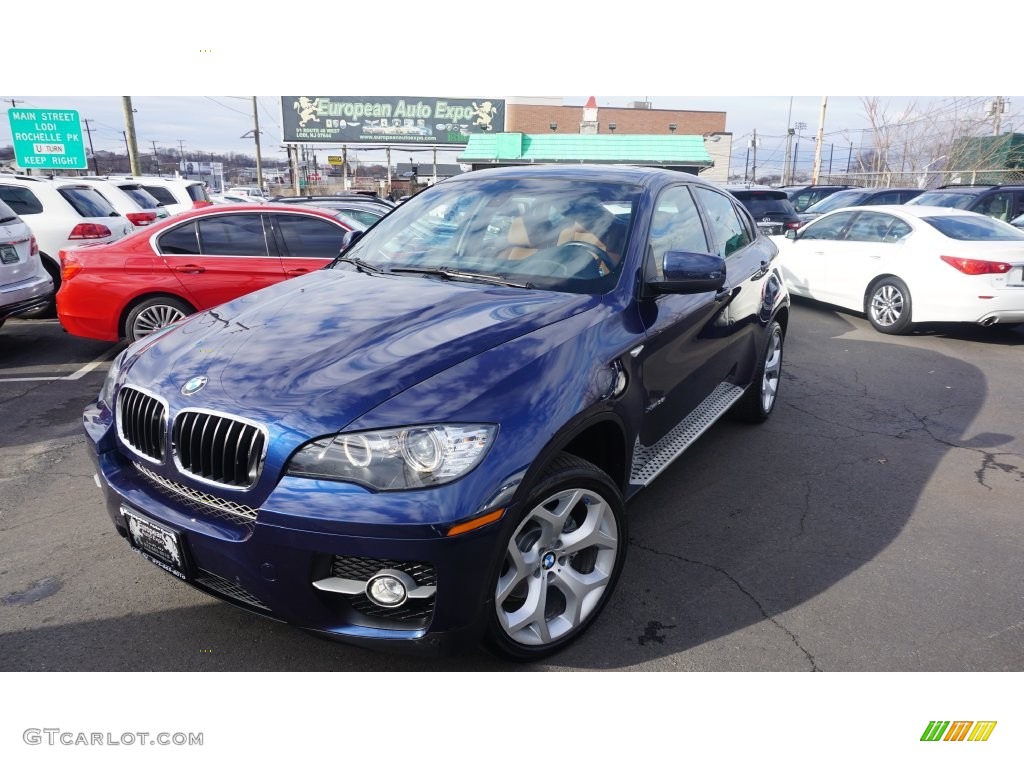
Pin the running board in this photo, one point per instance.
(648, 462)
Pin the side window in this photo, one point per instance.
(180, 241)
(162, 194)
(727, 227)
(897, 231)
(870, 228)
(885, 198)
(21, 200)
(828, 227)
(909, 194)
(308, 236)
(675, 226)
(802, 201)
(997, 205)
(233, 235)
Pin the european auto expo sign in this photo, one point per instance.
(389, 119)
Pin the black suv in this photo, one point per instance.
(1000, 201)
(772, 211)
(803, 196)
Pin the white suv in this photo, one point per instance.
(25, 284)
(62, 213)
(128, 198)
(176, 195)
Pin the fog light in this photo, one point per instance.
(389, 589)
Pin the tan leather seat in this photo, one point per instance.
(519, 245)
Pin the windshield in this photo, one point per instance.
(974, 228)
(944, 199)
(838, 200)
(558, 234)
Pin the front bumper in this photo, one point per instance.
(268, 565)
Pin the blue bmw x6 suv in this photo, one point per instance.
(432, 440)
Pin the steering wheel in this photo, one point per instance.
(593, 251)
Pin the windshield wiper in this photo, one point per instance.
(361, 265)
(455, 274)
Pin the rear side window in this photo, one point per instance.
(21, 200)
(729, 231)
(162, 194)
(366, 218)
(309, 237)
(140, 196)
(198, 193)
(237, 235)
(87, 202)
(974, 228)
(180, 241)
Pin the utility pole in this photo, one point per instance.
(88, 132)
(344, 167)
(127, 154)
(181, 152)
(997, 109)
(129, 124)
(746, 164)
(388, 149)
(256, 134)
(156, 158)
(753, 171)
(14, 104)
(787, 170)
(817, 144)
(799, 126)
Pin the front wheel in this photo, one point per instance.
(888, 306)
(561, 562)
(153, 314)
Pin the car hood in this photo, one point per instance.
(313, 353)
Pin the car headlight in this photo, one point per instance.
(106, 394)
(396, 459)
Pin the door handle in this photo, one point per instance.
(296, 271)
(190, 269)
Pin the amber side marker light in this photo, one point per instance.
(479, 522)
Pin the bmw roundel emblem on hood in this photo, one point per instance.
(193, 385)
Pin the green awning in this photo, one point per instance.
(585, 148)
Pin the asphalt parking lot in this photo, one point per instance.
(874, 523)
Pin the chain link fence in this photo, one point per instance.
(925, 180)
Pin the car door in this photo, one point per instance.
(803, 259)
(872, 245)
(221, 257)
(307, 242)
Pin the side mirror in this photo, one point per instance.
(791, 234)
(350, 238)
(685, 272)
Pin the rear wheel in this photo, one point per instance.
(153, 314)
(889, 306)
(561, 562)
(758, 401)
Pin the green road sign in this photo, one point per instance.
(47, 138)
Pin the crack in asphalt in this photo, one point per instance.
(741, 588)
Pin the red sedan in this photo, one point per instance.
(190, 262)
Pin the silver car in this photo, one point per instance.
(24, 282)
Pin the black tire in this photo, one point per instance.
(759, 400)
(49, 309)
(889, 307)
(153, 314)
(572, 497)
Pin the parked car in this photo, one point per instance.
(176, 195)
(434, 438)
(1019, 222)
(250, 192)
(366, 210)
(229, 198)
(860, 196)
(192, 261)
(909, 264)
(24, 282)
(803, 196)
(128, 198)
(61, 213)
(771, 208)
(1000, 201)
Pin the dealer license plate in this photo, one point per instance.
(8, 254)
(156, 542)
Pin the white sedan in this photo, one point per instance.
(902, 265)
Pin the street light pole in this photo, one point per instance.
(256, 135)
